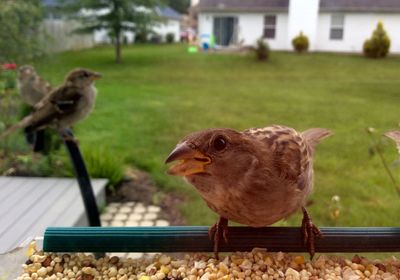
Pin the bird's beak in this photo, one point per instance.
(191, 161)
(95, 76)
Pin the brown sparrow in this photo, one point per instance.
(31, 86)
(255, 177)
(64, 106)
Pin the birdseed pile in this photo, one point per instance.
(258, 264)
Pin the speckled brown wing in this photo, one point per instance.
(58, 104)
(291, 157)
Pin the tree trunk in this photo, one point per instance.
(118, 48)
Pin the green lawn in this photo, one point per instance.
(161, 93)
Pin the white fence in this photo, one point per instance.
(62, 38)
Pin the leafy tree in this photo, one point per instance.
(115, 16)
(180, 6)
(379, 44)
(20, 23)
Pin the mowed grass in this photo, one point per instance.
(161, 93)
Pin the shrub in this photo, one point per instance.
(262, 50)
(21, 38)
(103, 164)
(155, 39)
(8, 76)
(300, 43)
(22, 162)
(141, 37)
(9, 99)
(170, 38)
(378, 45)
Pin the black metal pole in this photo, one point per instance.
(82, 175)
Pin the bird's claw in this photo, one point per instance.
(212, 231)
(218, 231)
(309, 233)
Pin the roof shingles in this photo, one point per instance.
(243, 6)
(360, 5)
(282, 5)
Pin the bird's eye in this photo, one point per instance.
(219, 143)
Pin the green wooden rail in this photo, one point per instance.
(195, 239)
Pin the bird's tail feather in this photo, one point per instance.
(23, 123)
(314, 135)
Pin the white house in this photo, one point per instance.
(169, 23)
(330, 25)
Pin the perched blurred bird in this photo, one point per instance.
(255, 177)
(32, 89)
(31, 86)
(64, 106)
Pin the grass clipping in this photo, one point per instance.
(258, 264)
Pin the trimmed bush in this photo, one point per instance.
(155, 39)
(170, 38)
(101, 163)
(141, 37)
(379, 44)
(300, 43)
(262, 50)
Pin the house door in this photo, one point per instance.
(225, 30)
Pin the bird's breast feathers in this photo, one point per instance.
(86, 103)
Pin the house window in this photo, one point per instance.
(269, 26)
(337, 27)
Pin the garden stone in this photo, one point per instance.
(131, 223)
(162, 223)
(153, 209)
(117, 223)
(150, 216)
(106, 217)
(135, 217)
(139, 209)
(146, 223)
(111, 209)
(121, 217)
(125, 209)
